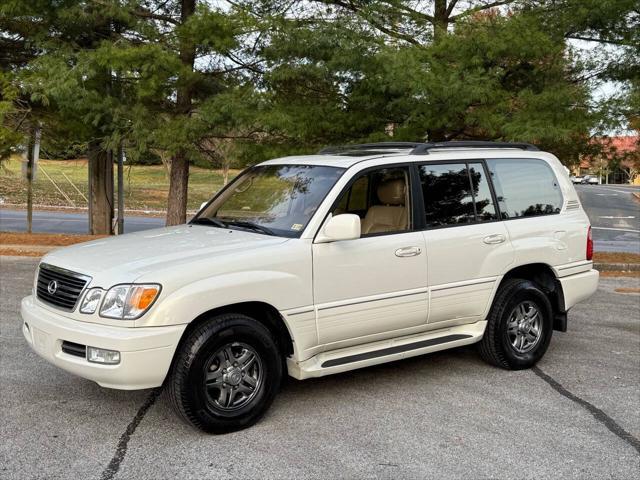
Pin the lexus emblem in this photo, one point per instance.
(52, 287)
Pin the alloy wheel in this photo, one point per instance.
(233, 376)
(524, 327)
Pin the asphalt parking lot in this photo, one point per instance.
(445, 415)
(615, 216)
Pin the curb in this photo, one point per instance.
(25, 251)
(617, 267)
(35, 248)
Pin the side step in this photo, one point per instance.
(359, 356)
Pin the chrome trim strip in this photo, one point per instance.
(48, 266)
(574, 265)
(371, 300)
(86, 278)
(462, 284)
(299, 312)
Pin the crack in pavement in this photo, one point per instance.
(121, 449)
(598, 414)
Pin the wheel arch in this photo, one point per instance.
(262, 312)
(544, 276)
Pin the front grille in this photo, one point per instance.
(59, 287)
(74, 349)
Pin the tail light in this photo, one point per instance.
(589, 244)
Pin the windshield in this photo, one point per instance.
(272, 199)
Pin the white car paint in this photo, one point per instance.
(335, 298)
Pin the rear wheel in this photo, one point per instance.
(519, 328)
(226, 374)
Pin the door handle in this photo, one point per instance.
(408, 251)
(494, 239)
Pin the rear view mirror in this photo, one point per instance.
(341, 227)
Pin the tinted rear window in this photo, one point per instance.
(455, 194)
(525, 187)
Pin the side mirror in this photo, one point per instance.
(341, 227)
(202, 205)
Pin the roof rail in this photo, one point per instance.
(424, 148)
(370, 146)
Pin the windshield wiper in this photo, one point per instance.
(251, 226)
(214, 222)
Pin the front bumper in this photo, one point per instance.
(145, 353)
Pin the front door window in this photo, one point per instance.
(381, 198)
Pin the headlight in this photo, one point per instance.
(128, 301)
(91, 300)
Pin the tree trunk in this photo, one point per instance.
(225, 172)
(440, 19)
(178, 183)
(441, 14)
(120, 176)
(101, 188)
(30, 175)
(179, 173)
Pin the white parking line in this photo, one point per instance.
(616, 229)
(630, 190)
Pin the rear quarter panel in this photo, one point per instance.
(557, 239)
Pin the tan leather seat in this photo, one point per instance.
(391, 216)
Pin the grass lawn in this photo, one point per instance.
(145, 187)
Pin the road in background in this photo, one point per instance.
(614, 215)
(63, 222)
(612, 209)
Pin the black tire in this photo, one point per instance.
(186, 384)
(496, 347)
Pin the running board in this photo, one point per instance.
(359, 356)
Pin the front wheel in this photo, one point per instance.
(519, 326)
(226, 374)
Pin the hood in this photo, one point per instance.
(124, 258)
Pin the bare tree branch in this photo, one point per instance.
(450, 8)
(351, 6)
(621, 43)
(479, 8)
(143, 13)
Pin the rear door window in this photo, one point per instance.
(525, 187)
(455, 194)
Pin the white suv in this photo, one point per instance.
(319, 264)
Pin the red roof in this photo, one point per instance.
(613, 146)
(625, 144)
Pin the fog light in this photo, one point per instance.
(100, 355)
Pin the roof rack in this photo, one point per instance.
(420, 148)
(424, 148)
(363, 147)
